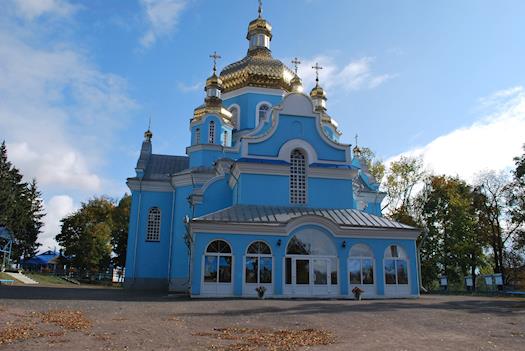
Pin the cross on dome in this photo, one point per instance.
(296, 63)
(317, 69)
(260, 8)
(215, 57)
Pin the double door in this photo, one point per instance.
(311, 276)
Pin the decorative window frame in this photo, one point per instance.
(361, 258)
(237, 121)
(258, 256)
(197, 136)
(257, 110)
(211, 132)
(218, 255)
(153, 225)
(298, 188)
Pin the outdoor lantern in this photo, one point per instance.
(279, 242)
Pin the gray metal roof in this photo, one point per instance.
(160, 166)
(254, 214)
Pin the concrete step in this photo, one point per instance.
(22, 278)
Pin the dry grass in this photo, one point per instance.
(250, 339)
(70, 320)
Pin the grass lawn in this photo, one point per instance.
(7, 277)
(47, 279)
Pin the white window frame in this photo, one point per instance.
(401, 256)
(237, 120)
(153, 224)
(258, 257)
(298, 188)
(211, 132)
(257, 112)
(197, 140)
(218, 256)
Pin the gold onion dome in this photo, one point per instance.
(297, 84)
(148, 135)
(318, 93)
(214, 80)
(258, 68)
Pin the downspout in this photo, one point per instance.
(137, 229)
(170, 251)
(425, 234)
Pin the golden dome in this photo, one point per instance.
(148, 135)
(259, 26)
(318, 93)
(297, 84)
(214, 80)
(257, 69)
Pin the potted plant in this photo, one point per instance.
(260, 291)
(357, 292)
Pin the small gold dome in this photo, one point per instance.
(148, 135)
(318, 93)
(214, 80)
(297, 84)
(259, 26)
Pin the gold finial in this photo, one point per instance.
(148, 134)
(317, 69)
(215, 57)
(296, 64)
(356, 136)
(260, 8)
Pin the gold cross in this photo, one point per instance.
(356, 136)
(317, 69)
(296, 63)
(215, 57)
(260, 8)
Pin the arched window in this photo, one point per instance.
(396, 265)
(197, 136)
(153, 230)
(218, 262)
(235, 117)
(297, 177)
(262, 113)
(258, 263)
(361, 265)
(211, 133)
(311, 242)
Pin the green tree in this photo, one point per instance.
(21, 208)
(119, 234)
(86, 235)
(516, 201)
(375, 166)
(453, 246)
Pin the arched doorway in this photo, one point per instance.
(258, 269)
(311, 266)
(217, 268)
(395, 264)
(361, 269)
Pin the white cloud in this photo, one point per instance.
(162, 17)
(31, 9)
(56, 208)
(54, 105)
(188, 88)
(489, 144)
(355, 75)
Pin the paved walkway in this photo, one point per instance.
(22, 278)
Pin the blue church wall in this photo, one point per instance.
(296, 127)
(151, 258)
(208, 157)
(239, 244)
(330, 193)
(251, 191)
(248, 107)
(216, 197)
(180, 264)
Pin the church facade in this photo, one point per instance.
(266, 196)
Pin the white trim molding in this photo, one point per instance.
(252, 90)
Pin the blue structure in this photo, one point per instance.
(266, 196)
(51, 261)
(6, 245)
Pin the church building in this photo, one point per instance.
(266, 196)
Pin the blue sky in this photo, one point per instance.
(79, 80)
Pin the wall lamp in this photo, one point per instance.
(279, 242)
(343, 244)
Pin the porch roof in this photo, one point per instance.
(256, 214)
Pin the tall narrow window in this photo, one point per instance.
(225, 137)
(153, 230)
(235, 117)
(262, 113)
(218, 263)
(197, 136)
(211, 133)
(258, 263)
(361, 265)
(396, 266)
(297, 178)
